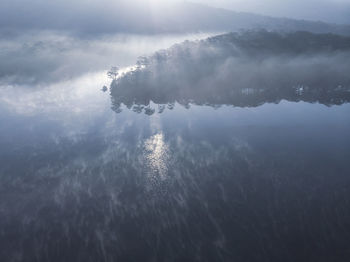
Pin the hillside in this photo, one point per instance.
(241, 69)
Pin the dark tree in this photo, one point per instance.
(113, 72)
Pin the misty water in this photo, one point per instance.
(88, 175)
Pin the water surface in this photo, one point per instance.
(82, 179)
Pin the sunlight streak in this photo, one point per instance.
(156, 154)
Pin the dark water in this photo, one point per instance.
(195, 155)
(249, 182)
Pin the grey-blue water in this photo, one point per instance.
(84, 180)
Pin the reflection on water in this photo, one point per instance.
(253, 184)
(156, 155)
(143, 100)
(260, 181)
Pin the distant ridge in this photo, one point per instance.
(195, 18)
(184, 17)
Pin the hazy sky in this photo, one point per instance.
(27, 13)
(41, 39)
(336, 11)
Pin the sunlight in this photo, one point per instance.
(156, 152)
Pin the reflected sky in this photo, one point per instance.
(224, 179)
(183, 182)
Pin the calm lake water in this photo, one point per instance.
(82, 180)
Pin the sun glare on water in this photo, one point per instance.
(156, 154)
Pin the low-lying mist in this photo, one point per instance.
(241, 69)
(42, 57)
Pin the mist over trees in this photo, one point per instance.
(241, 69)
(113, 72)
(48, 41)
